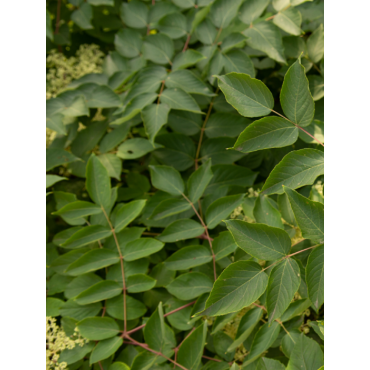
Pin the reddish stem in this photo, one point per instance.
(186, 43)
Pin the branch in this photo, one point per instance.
(122, 271)
(142, 345)
(167, 314)
(160, 92)
(207, 235)
(186, 43)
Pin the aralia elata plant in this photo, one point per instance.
(185, 185)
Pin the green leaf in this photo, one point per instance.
(190, 285)
(118, 366)
(87, 235)
(199, 180)
(154, 117)
(239, 285)
(225, 124)
(234, 40)
(259, 240)
(135, 148)
(105, 349)
(78, 209)
(53, 179)
(298, 168)
(180, 100)
(127, 213)
(55, 123)
(173, 25)
(295, 96)
(315, 45)
(170, 207)
(140, 283)
(70, 356)
(115, 137)
(246, 326)
(309, 215)
(315, 277)
(238, 61)
(180, 230)
(135, 308)
(184, 122)
(98, 182)
(56, 157)
(191, 349)
(283, 284)
(128, 42)
(296, 308)
(188, 257)
(224, 11)
(184, 4)
(286, 209)
(141, 248)
(251, 10)
(222, 208)
(93, 260)
(265, 36)
(100, 291)
(223, 245)
(77, 312)
(113, 165)
(52, 306)
(206, 32)
(99, 96)
(134, 14)
(80, 284)
(266, 133)
(289, 20)
(280, 4)
(158, 48)
(289, 340)
(316, 84)
(49, 28)
(101, 2)
(83, 16)
(308, 352)
(265, 213)
(61, 263)
(186, 59)
(250, 97)
(98, 328)
(167, 179)
(187, 81)
(263, 340)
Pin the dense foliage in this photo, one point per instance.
(185, 184)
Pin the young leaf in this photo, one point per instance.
(103, 290)
(190, 285)
(251, 10)
(98, 328)
(167, 179)
(315, 277)
(295, 96)
(78, 209)
(289, 20)
(141, 248)
(309, 215)
(53, 179)
(284, 282)
(222, 208)
(87, 235)
(98, 182)
(261, 241)
(266, 133)
(263, 340)
(199, 180)
(188, 257)
(191, 349)
(250, 97)
(105, 349)
(93, 260)
(180, 100)
(297, 169)
(127, 213)
(180, 230)
(239, 285)
(306, 351)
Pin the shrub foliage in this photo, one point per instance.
(185, 183)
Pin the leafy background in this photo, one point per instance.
(184, 230)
